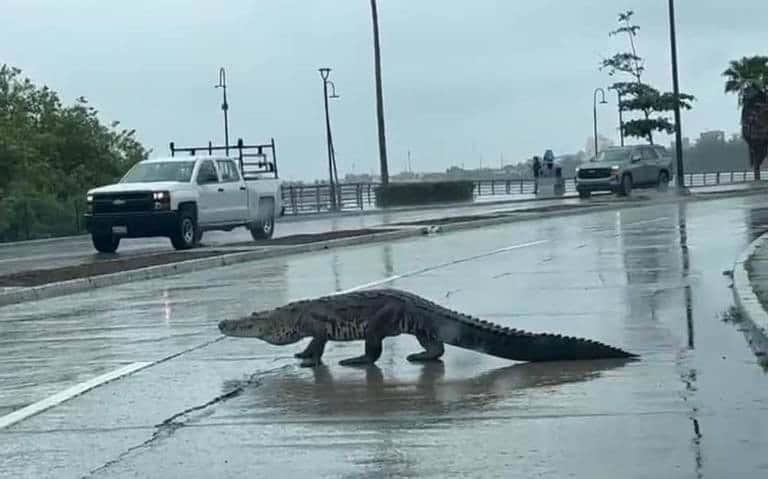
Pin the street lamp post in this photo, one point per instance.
(594, 111)
(621, 119)
(332, 173)
(224, 106)
(676, 97)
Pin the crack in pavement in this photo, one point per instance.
(169, 426)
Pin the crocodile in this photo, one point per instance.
(375, 314)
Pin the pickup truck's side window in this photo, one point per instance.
(207, 173)
(228, 171)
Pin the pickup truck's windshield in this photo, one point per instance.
(612, 156)
(160, 171)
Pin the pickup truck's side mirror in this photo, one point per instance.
(636, 158)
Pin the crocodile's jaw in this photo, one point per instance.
(262, 327)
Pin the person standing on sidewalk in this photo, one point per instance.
(536, 171)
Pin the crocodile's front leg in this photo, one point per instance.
(376, 331)
(372, 354)
(314, 351)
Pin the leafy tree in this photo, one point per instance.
(636, 96)
(51, 154)
(748, 78)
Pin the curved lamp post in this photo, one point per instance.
(594, 111)
(224, 106)
(332, 173)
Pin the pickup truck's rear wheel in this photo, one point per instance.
(105, 243)
(264, 226)
(186, 235)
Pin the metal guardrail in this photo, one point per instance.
(313, 199)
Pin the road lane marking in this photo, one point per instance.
(78, 389)
(417, 272)
(67, 394)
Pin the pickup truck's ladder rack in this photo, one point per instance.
(251, 164)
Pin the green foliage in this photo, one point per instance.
(51, 155)
(420, 193)
(636, 96)
(748, 78)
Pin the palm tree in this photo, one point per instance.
(379, 96)
(748, 78)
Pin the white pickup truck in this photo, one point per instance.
(181, 197)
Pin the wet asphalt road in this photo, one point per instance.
(25, 256)
(647, 279)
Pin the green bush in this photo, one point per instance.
(420, 193)
(38, 215)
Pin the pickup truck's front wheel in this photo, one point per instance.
(264, 227)
(105, 243)
(186, 235)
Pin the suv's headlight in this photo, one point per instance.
(615, 170)
(89, 198)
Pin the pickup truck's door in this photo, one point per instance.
(210, 197)
(235, 196)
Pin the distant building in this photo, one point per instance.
(717, 136)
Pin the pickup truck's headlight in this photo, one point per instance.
(162, 200)
(89, 198)
(615, 170)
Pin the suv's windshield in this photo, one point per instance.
(614, 156)
(160, 171)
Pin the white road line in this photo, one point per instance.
(645, 222)
(389, 279)
(67, 394)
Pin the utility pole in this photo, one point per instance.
(379, 96)
(676, 93)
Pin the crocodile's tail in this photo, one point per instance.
(518, 345)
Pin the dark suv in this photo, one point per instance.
(621, 168)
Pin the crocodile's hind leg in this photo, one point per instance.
(312, 354)
(433, 349)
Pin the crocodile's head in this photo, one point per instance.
(276, 326)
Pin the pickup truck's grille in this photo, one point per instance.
(593, 173)
(122, 202)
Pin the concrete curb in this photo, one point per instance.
(152, 272)
(752, 311)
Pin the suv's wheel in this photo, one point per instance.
(264, 226)
(583, 194)
(186, 235)
(105, 243)
(626, 186)
(663, 183)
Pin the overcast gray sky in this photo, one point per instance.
(463, 80)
